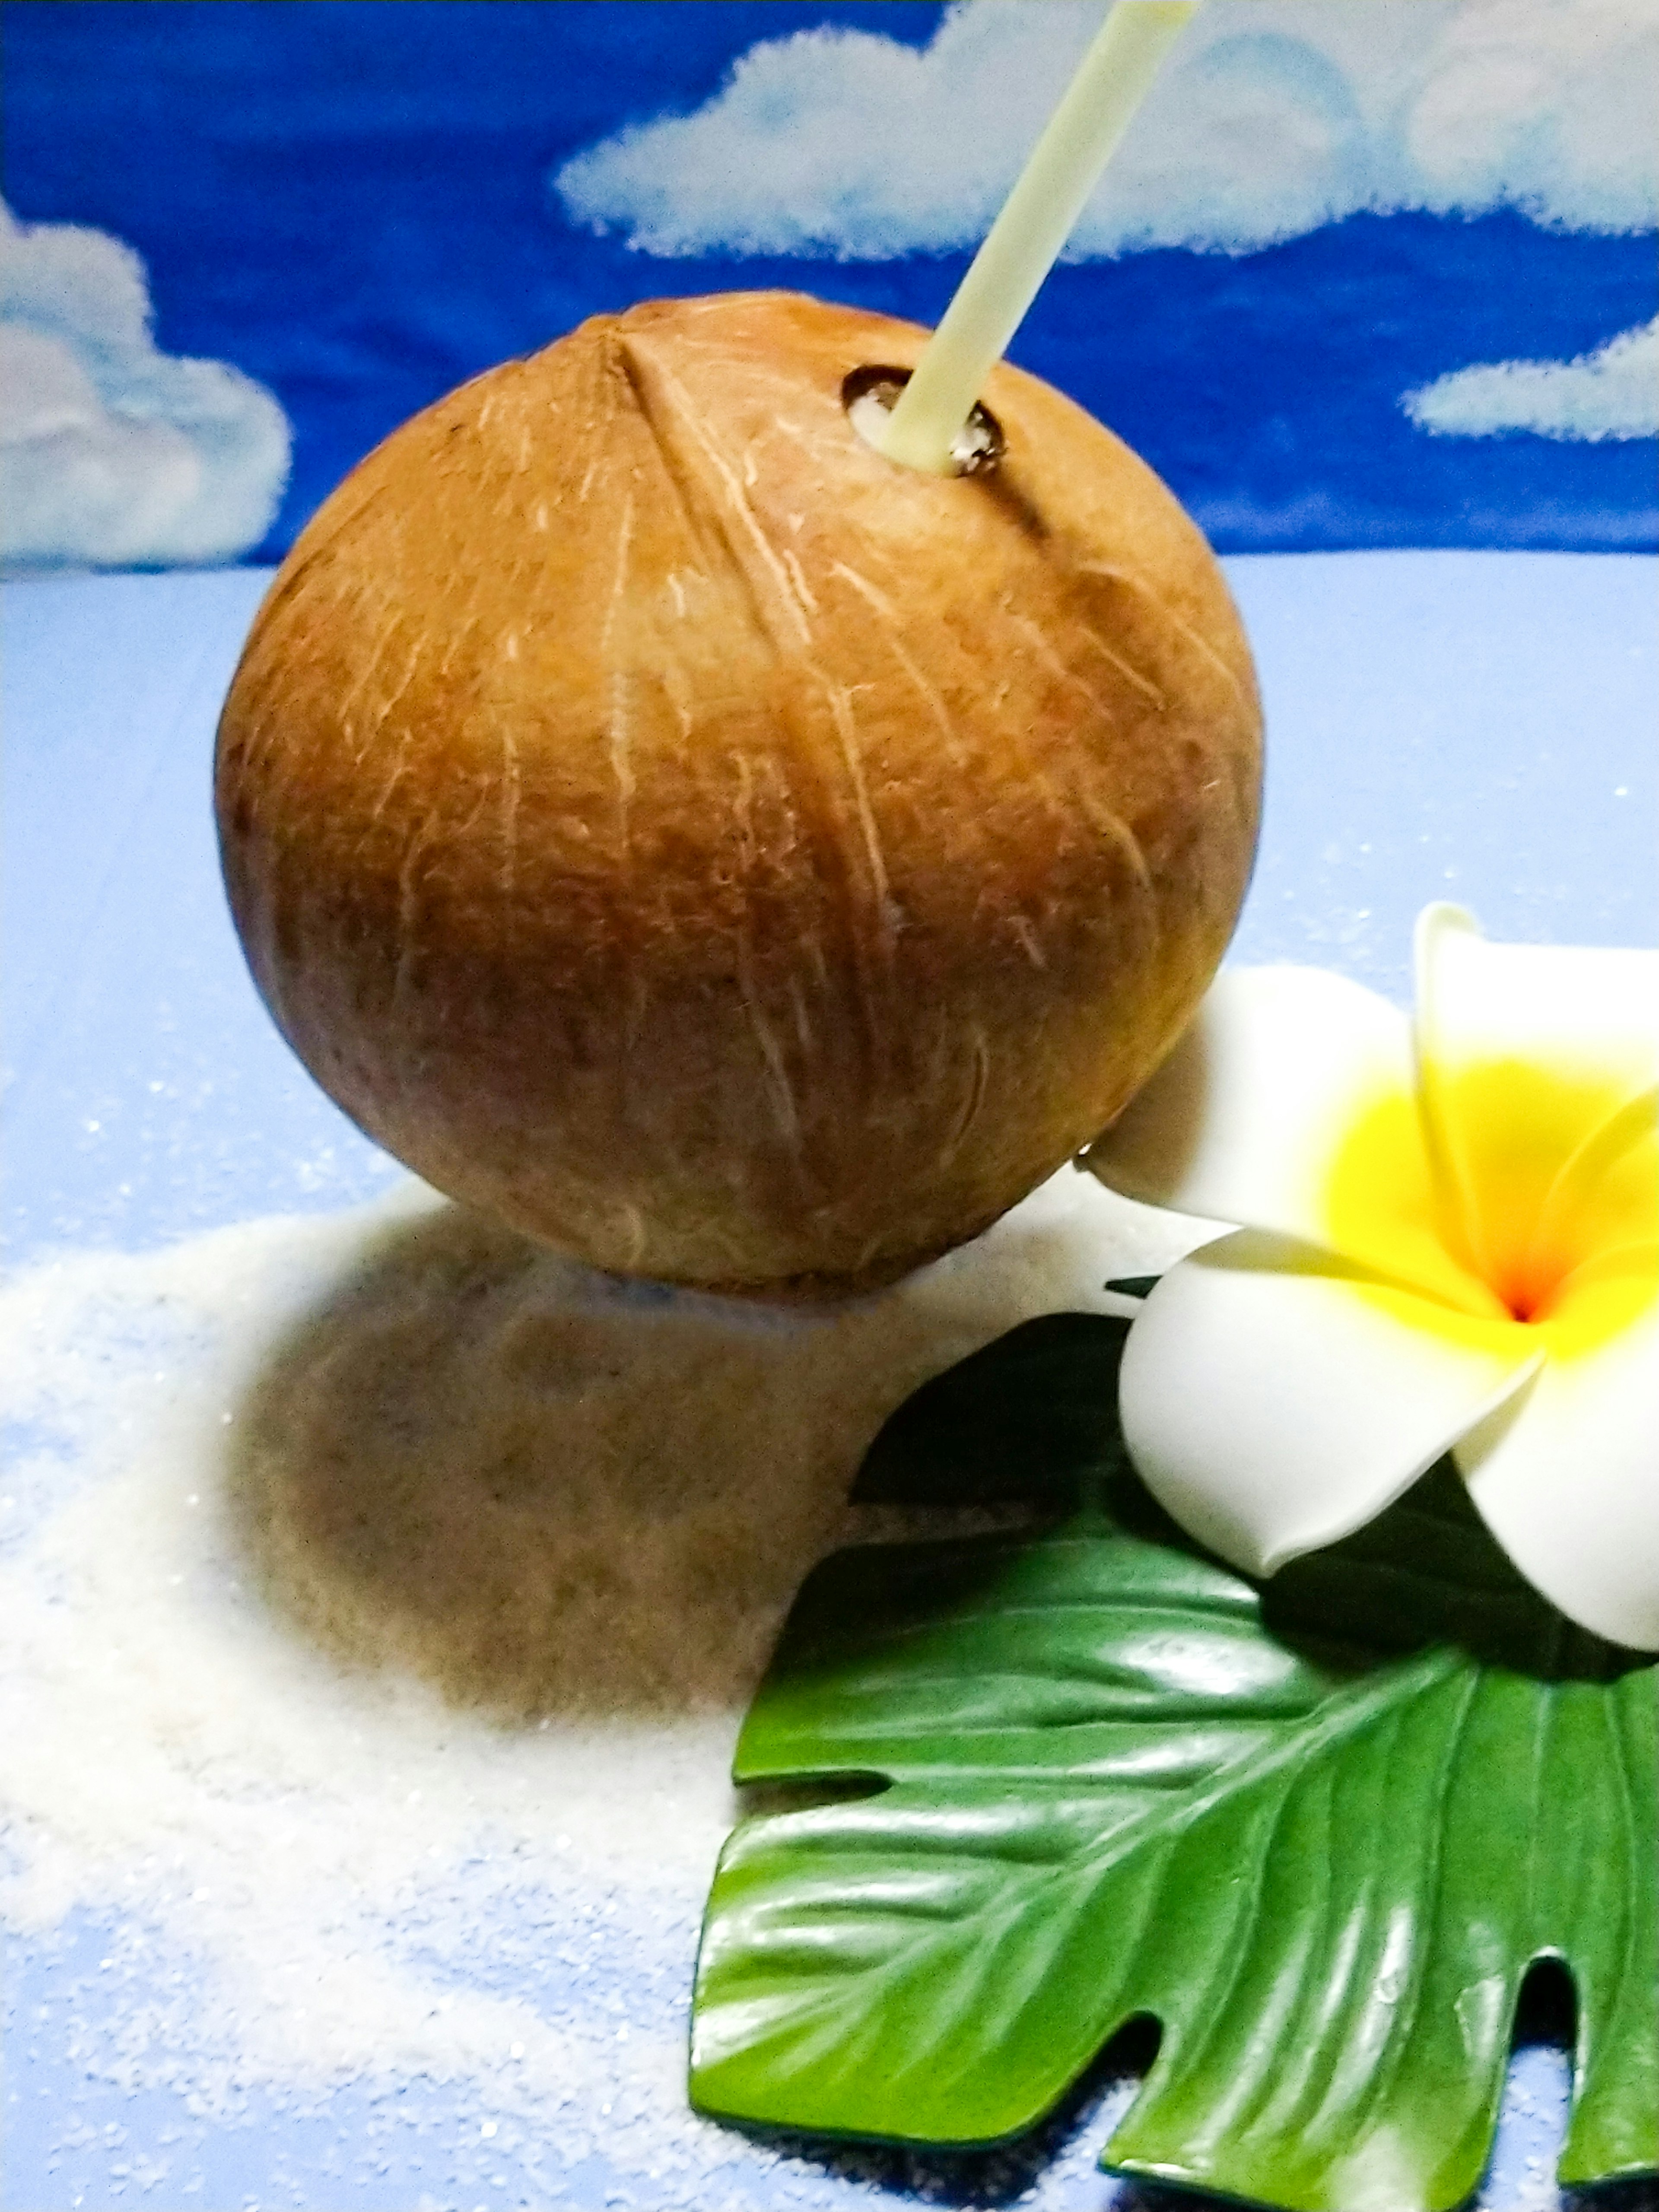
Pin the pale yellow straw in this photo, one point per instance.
(1083, 133)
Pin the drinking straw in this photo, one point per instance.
(1022, 244)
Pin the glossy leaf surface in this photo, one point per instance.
(1319, 1839)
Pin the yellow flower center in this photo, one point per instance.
(1511, 1196)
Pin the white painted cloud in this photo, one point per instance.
(1271, 118)
(112, 454)
(1611, 393)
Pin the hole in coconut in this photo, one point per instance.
(869, 395)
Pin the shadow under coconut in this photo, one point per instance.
(547, 1491)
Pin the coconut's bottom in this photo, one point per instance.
(821, 1289)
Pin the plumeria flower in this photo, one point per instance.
(1446, 1238)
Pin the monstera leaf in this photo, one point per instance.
(1080, 1773)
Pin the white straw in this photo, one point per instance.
(1115, 76)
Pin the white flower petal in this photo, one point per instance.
(1290, 1106)
(1567, 1480)
(1272, 1408)
(1537, 1068)
(1566, 1007)
(1240, 1122)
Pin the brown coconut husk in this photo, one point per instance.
(712, 849)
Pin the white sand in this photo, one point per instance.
(378, 1600)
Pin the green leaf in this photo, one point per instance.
(1083, 1774)
(1032, 1416)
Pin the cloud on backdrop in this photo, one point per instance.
(111, 454)
(1272, 117)
(1612, 393)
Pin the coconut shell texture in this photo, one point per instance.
(713, 849)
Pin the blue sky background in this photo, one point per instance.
(352, 203)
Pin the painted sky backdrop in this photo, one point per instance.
(1368, 272)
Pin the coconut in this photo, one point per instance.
(710, 848)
